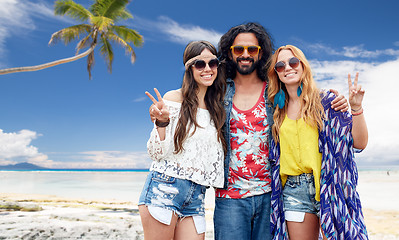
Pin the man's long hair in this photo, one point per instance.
(213, 98)
(264, 40)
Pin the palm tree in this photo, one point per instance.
(98, 25)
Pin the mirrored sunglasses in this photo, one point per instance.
(201, 64)
(293, 62)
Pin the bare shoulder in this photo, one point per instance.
(174, 96)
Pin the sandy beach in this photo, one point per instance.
(42, 216)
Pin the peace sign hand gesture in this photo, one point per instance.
(158, 110)
(356, 93)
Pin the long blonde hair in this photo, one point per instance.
(311, 107)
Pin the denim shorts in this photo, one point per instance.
(164, 195)
(299, 197)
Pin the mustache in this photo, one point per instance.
(245, 59)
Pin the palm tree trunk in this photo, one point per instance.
(47, 65)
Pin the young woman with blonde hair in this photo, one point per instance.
(311, 152)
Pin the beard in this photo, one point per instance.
(246, 69)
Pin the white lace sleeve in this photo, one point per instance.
(158, 149)
(201, 159)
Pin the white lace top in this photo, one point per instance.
(201, 159)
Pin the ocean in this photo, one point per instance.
(126, 185)
(77, 184)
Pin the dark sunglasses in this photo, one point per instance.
(293, 62)
(201, 64)
(239, 50)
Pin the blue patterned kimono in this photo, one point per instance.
(341, 216)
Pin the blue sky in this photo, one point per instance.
(57, 117)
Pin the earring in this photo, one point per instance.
(279, 98)
(299, 90)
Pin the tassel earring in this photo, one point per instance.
(299, 90)
(279, 98)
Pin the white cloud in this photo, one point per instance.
(16, 147)
(335, 73)
(381, 83)
(396, 43)
(317, 47)
(17, 18)
(13, 13)
(351, 51)
(140, 99)
(107, 159)
(176, 32)
(359, 51)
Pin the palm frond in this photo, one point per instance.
(113, 9)
(128, 35)
(106, 51)
(122, 15)
(90, 62)
(128, 49)
(102, 23)
(83, 43)
(69, 34)
(71, 9)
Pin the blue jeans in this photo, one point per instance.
(242, 219)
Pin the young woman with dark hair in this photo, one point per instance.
(187, 147)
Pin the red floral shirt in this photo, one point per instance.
(249, 171)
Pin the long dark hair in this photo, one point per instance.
(213, 97)
(265, 42)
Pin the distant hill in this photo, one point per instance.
(22, 166)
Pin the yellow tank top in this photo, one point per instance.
(299, 148)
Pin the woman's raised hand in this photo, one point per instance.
(356, 93)
(158, 110)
